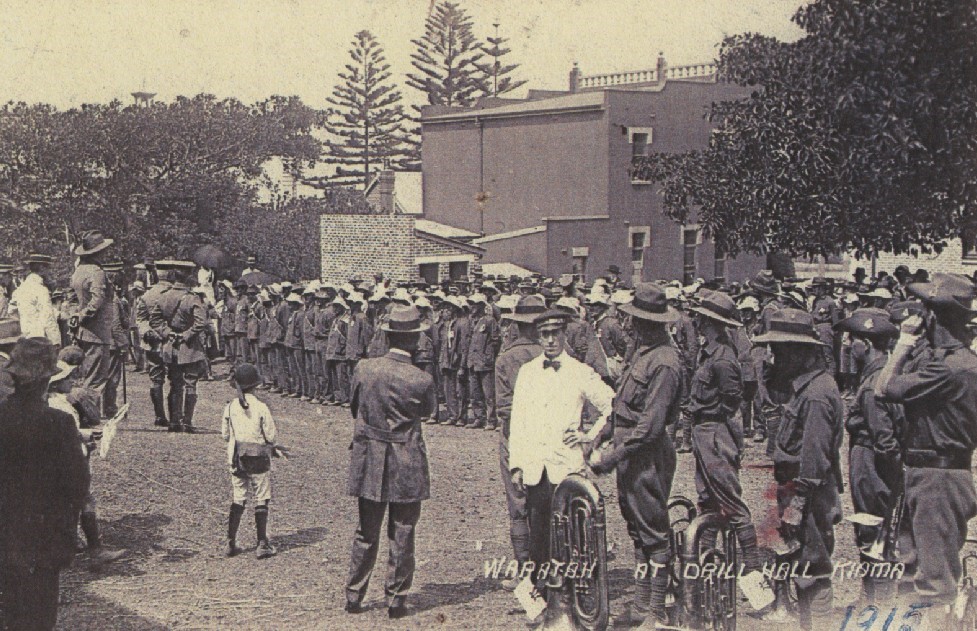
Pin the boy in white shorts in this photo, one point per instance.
(249, 429)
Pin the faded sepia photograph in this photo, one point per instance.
(571, 315)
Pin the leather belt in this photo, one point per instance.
(386, 435)
(861, 441)
(930, 459)
(708, 418)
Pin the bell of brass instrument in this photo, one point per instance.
(578, 538)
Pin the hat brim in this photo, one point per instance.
(712, 315)
(670, 314)
(779, 337)
(846, 325)
(63, 374)
(924, 291)
(419, 329)
(82, 251)
(770, 291)
(528, 318)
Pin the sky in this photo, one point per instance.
(69, 52)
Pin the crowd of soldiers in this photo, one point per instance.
(695, 368)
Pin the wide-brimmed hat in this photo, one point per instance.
(137, 285)
(717, 306)
(33, 359)
(64, 371)
(622, 297)
(871, 322)
(614, 269)
(92, 241)
(246, 376)
(749, 303)
(527, 309)
(9, 330)
(6, 268)
(946, 291)
(478, 299)
(900, 311)
(765, 282)
(650, 304)
(404, 319)
(166, 264)
(789, 326)
(35, 258)
(113, 266)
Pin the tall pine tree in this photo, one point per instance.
(446, 62)
(366, 120)
(496, 74)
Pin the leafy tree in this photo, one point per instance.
(860, 135)
(496, 74)
(446, 63)
(158, 179)
(366, 118)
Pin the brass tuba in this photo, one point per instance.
(578, 535)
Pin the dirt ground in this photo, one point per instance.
(164, 498)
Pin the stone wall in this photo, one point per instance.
(367, 244)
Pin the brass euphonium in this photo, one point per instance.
(578, 538)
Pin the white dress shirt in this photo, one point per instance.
(545, 404)
(252, 425)
(31, 302)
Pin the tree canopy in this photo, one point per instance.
(861, 135)
(366, 118)
(497, 74)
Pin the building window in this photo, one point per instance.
(641, 139)
(690, 240)
(429, 272)
(639, 242)
(719, 271)
(580, 263)
(458, 270)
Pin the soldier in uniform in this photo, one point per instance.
(807, 463)
(92, 321)
(939, 395)
(524, 349)
(609, 344)
(453, 362)
(648, 400)
(717, 434)
(152, 340)
(323, 323)
(181, 316)
(295, 346)
(483, 347)
(875, 433)
(388, 468)
(686, 340)
(360, 332)
(767, 289)
(264, 314)
(119, 347)
(136, 292)
(239, 323)
(748, 308)
(313, 369)
(336, 352)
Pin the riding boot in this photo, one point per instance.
(189, 403)
(175, 404)
(156, 396)
(659, 584)
(641, 601)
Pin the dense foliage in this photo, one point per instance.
(860, 135)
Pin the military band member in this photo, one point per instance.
(717, 433)
(648, 400)
(939, 396)
(875, 431)
(545, 440)
(525, 348)
(388, 469)
(181, 317)
(806, 460)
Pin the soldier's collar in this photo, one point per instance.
(802, 381)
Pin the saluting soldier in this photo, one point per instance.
(648, 400)
(92, 321)
(717, 433)
(807, 464)
(388, 468)
(875, 433)
(939, 395)
(181, 316)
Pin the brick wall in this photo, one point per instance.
(367, 244)
(949, 260)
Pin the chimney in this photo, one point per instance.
(386, 189)
(661, 68)
(575, 78)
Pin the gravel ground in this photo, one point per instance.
(164, 498)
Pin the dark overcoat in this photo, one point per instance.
(388, 457)
(43, 484)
